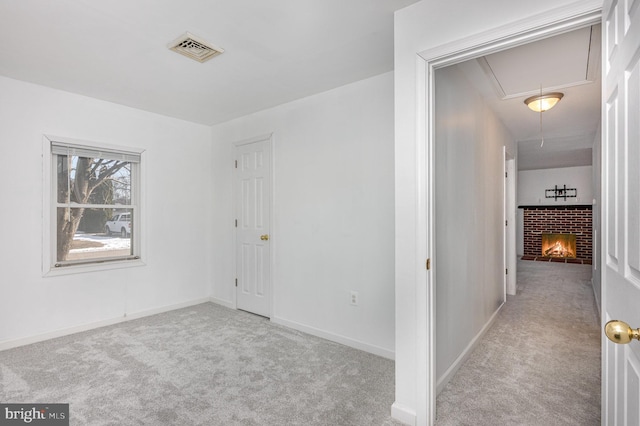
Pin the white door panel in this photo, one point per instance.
(621, 207)
(253, 193)
(632, 388)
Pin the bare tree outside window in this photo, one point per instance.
(94, 204)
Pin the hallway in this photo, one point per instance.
(540, 362)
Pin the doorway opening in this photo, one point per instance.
(444, 175)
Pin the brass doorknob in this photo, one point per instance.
(264, 237)
(620, 332)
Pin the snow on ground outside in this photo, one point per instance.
(109, 242)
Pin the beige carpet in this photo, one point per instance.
(540, 362)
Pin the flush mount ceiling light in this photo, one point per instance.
(194, 47)
(543, 102)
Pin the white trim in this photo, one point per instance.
(272, 222)
(538, 27)
(554, 22)
(93, 267)
(356, 344)
(254, 139)
(10, 344)
(47, 214)
(505, 263)
(49, 218)
(403, 414)
(466, 353)
(425, 243)
(83, 143)
(221, 302)
(512, 264)
(595, 296)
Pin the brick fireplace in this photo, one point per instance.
(575, 220)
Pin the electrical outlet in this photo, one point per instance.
(354, 298)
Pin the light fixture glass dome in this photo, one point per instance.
(545, 102)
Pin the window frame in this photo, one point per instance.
(50, 205)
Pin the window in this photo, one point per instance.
(94, 202)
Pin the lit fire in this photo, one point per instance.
(559, 245)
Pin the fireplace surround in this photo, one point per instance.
(564, 220)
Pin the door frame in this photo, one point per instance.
(510, 216)
(268, 137)
(554, 22)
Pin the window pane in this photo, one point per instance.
(94, 197)
(87, 180)
(62, 173)
(99, 233)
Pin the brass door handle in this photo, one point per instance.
(264, 237)
(620, 332)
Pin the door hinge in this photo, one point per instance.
(236, 282)
(428, 264)
(236, 223)
(506, 174)
(506, 223)
(506, 271)
(236, 164)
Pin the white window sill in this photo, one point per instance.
(91, 267)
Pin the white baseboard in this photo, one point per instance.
(222, 302)
(376, 350)
(403, 414)
(10, 344)
(167, 308)
(451, 371)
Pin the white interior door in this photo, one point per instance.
(252, 198)
(621, 207)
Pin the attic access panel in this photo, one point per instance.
(562, 61)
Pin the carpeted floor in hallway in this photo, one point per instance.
(540, 362)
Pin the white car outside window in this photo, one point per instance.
(119, 224)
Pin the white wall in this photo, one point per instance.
(533, 183)
(176, 184)
(422, 26)
(333, 212)
(469, 216)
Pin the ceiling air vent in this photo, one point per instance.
(194, 47)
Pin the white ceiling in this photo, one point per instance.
(569, 63)
(275, 51)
